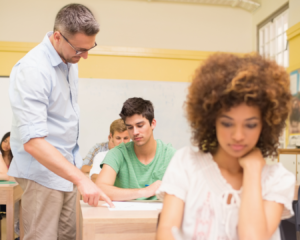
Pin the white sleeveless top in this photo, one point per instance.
(195, 178)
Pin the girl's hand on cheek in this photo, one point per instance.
(253, 160)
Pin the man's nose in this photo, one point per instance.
(84, 55)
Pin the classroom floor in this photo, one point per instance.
(3, 228)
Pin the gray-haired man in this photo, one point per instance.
(44, 136)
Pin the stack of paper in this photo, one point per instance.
(134, 206)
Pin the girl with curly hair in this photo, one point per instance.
(237, 108)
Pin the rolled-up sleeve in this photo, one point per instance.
(29, 98)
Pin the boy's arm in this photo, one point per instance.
(94, 177)
(86, 168)
(106, 180)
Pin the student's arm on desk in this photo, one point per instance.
(86, 168)
(169, 218)
(94, 177)
(52, 159)
(106, 180)
(3, 170)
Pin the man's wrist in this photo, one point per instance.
(77, 178)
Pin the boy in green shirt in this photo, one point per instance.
(134, 170)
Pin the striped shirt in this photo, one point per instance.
(99, 147)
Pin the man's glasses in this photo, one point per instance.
(77, 52)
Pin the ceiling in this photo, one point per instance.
(249, 5)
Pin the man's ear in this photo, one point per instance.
(153, 124)
(57, 37)
(109, 137)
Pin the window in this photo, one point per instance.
(272, 39)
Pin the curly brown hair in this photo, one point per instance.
(225, 81)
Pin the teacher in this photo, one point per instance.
(45, 128)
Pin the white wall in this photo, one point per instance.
(267, 8)
(134, 23)
(5, 110)
(101, 101)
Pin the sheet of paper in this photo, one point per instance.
(134, 206)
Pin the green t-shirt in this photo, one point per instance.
(131, 173)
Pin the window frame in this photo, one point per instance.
(263, 24)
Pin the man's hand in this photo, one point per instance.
(91, 194)
(150, 190)
(51, 158)
(253, 160)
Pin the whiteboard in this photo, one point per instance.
(101, 100)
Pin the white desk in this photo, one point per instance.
(9, 194)
(100, 223)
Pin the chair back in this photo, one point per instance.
(290, 228)
(296, 208)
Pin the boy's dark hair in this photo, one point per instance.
(137, 106)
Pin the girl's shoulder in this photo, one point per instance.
(192, 157)
(276, 173)
(185, 170)
(278, 185)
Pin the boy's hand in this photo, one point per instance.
(150, 190)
